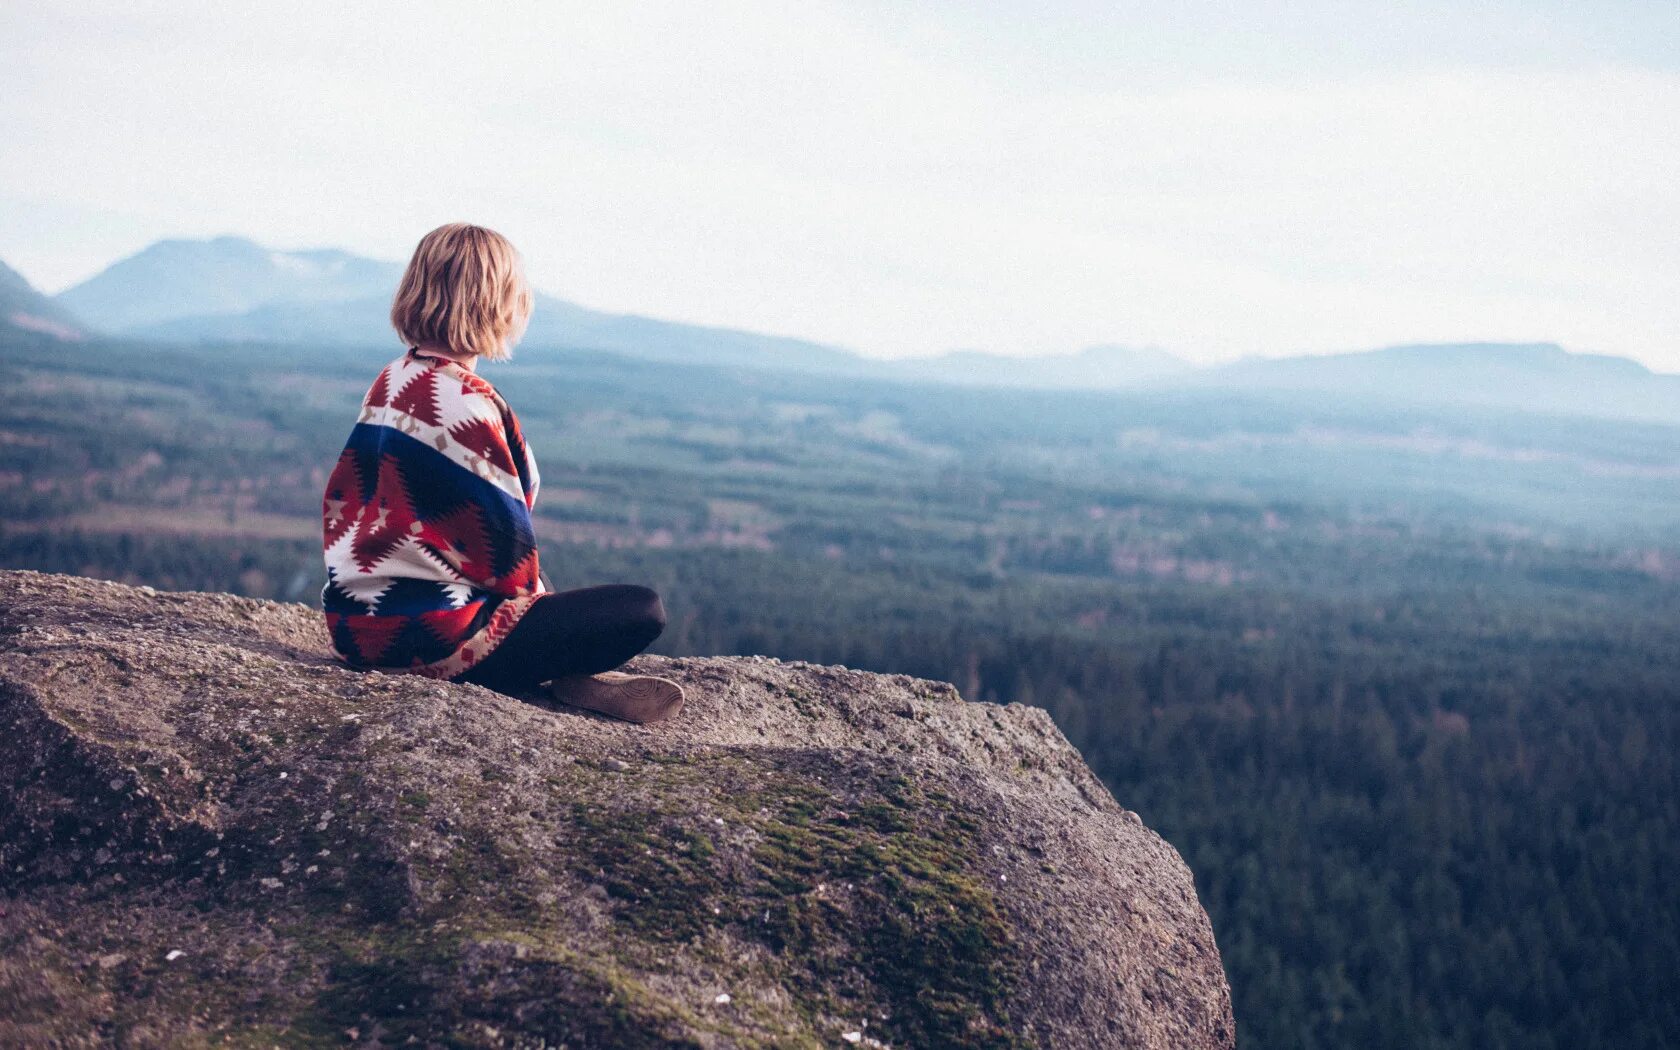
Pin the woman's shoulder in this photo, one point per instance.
(434, 390)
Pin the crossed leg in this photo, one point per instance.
(565, 633)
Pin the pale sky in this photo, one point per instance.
(901, 178)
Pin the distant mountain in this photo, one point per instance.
(1534, 377)
(21, 306)
(224, 277)
(555, 323)
(232, 289)
(1094, 368)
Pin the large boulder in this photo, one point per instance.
(211, 833)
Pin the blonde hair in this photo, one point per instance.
(465, 289)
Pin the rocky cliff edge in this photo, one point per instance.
(211, 834)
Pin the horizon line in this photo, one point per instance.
(1192, 363)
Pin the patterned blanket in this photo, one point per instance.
(427, 523)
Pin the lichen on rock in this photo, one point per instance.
(212, 834)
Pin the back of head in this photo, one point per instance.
(464, 289)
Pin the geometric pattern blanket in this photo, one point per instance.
(426, 523)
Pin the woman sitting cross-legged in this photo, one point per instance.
(431, 558)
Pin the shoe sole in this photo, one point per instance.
(632, 697)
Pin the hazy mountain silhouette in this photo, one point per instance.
(233, 290)
(220, 278)
(1536, 377)
(555, 323)
(21, 306)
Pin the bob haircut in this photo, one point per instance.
(464, 289)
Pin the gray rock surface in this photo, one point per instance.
(210, 834)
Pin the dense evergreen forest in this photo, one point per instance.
(1403, 688)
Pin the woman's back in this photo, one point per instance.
(426, 523)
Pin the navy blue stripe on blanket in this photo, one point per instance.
(437, 485)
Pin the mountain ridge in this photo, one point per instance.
(231, 289)
(221, 276)
(1535, 377)
(24, 308)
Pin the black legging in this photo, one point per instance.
(586, 631)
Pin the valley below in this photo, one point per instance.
(1401, 683)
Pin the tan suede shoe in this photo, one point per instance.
(632, 697)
